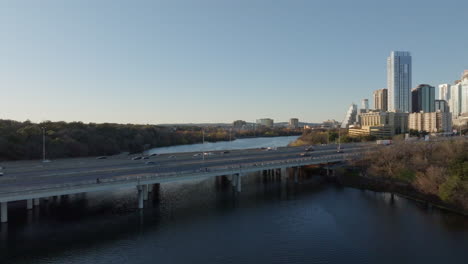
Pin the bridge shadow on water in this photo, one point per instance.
(87, 220)
(92, 223)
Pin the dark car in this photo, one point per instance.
(102, 157)
(137, 158)
(304, 154)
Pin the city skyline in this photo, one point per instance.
(160, 63)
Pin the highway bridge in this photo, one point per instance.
(36, 180)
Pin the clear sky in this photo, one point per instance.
(216, 61)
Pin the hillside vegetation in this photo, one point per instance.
(23, 140)
(437, 169)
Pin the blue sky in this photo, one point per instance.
(216, 61)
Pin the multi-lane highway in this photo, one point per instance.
(27, 180)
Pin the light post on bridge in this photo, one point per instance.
(43, 144)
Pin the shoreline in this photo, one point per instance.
(393, 187)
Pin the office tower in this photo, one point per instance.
(351, 116)
(294, 123)
(441, 106)
(399, 81)
(365, 104)
(423, 98)
(444, 92)
(455, 102)
(266, 122)
(431, 122)
(381, 100)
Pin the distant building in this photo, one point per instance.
(351, 116)
(444, 92)
(423, 98)
(458, 100)
(381, 124)
(431, 122)
(365, 104)
(399, 72)
(294, 123)
(330, 124)
(381, 100)
(442, 106)
(239, 124)
(266, 122)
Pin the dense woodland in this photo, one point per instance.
(438, 169)
(23, 140)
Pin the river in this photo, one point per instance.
(206, 222)
(245, 143)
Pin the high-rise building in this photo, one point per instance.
(365, 104)
(381, 124)
(442, 106)
(381, 100)
(431, 122)
(423, 98)
(444, 92)
(455, 102)
(266, 122)
(399, 73)
(350, 117)
(294, 123)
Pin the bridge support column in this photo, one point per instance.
(29, 204)
(296, 174)
(37, 201)
(140, 197)
(4, 212)
(145, 192)
(234, 180)
(150, 188)
(284, 174)
(239, 182)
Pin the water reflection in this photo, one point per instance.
(273, 220)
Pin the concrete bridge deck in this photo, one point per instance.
(33, 180)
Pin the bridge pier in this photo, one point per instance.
(234, 180)
(296, 174)
(140, 197)
(145, 192)
(4, 212)
(37, 202)
(29, 204)
(150, 188)
(239, 182)
(283, 173)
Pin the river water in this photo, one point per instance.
(206, 222)
(262, 142)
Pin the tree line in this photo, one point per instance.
(23, 140)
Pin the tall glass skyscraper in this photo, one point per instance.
(399, 81)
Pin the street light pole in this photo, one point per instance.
(43, 144)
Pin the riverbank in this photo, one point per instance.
(435, 172)
(354, 179)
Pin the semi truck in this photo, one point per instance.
(384, 142)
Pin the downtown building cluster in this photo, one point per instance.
(399, 108)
